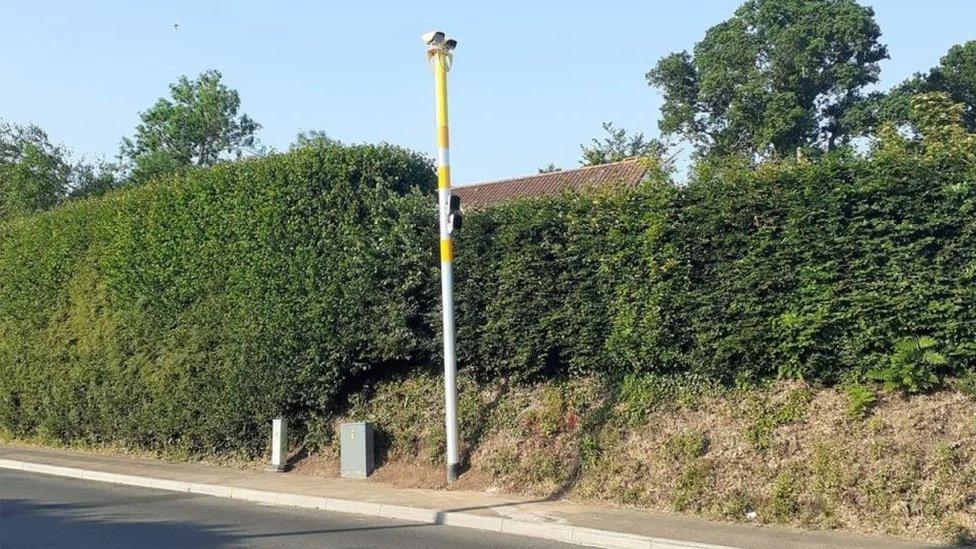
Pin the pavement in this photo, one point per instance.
(50, 512)
(496, 516)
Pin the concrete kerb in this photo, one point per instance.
(413, 514)
(603, 538)
(558, 532)
(211, 490)
(676, 544)
(543, 530)
(11, 464)
(469, 520)
(256, 496)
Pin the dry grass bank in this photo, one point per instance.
(786, 453)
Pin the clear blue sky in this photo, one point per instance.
(531, 81)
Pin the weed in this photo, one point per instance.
(433, 445)
(766, 416)
(860, 401)
(503, 462)
(589, 449)
(967, 383)
(692, 485)
(879, 493)
(911, 367)
(929, 504)
(907, 472)
(736, 505)
(948, 458)
(551, 416)
(879, 448)
(784, 504)
(641, 393)
(319, 434)
(543, 468)
(878, 426)
(828, 467)
(684, 446)
(506, 414)
(638, 395)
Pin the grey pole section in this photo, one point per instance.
(450, 372)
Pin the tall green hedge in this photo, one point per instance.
(809, 270)
(188, 312)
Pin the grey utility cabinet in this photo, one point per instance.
(356, 449)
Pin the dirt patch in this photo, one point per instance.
(315, 464)
(409, 475)
(395, 473)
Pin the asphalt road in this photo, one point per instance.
(43, 511)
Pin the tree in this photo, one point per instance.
(34, 174)
(550, 168)
(92, 179)
(312, 138)
(619, 145)
(198, 126)
(955, 76)
(937, 129)
(777, 75)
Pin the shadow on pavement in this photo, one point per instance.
(30, 524)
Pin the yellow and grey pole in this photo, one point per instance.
(439, 54)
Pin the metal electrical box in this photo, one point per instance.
(356, 449)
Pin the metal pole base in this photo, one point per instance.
(453, 471)
(283, 468)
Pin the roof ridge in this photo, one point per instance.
(544, 174)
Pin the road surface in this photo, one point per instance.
(43, 511)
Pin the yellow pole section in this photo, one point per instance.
(440, 99)
(443, 144)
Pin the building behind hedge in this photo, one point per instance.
(625, 174)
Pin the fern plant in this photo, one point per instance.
(860, 401)
(912, 366)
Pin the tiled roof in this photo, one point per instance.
(626, 173)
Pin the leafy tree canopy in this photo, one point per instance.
(198, 125)
(34, 174)
(777, 75)
(93, 179)
(938, 130)
(312, 138)
(616, 146)
(955, 76)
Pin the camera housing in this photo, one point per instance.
(433, 38)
